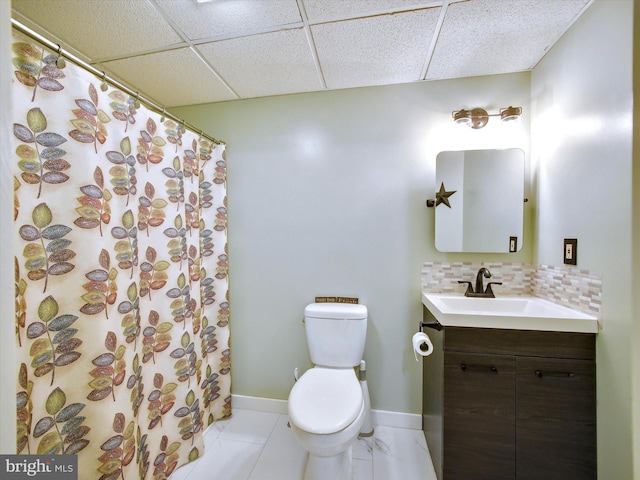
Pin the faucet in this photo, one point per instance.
(480, 291)
(482, 272)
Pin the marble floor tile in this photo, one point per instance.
(254, 445)
(249, 426)
(401, 454)
(226, 460)
(362, 469)
(282, 457)
(363, 448)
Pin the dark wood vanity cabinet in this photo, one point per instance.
(556, 419)
(514, 405)
(479, 416)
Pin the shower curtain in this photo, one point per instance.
(121, 284)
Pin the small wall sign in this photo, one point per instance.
(337, 300)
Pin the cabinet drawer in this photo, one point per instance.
(479, 416)
(556, 419)
(520, 342)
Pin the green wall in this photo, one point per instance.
(582, 131)
(327, 196)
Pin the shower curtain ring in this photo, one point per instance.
(60, 63)
(164, 112)
(136, 102)
(104, 85)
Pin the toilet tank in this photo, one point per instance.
(336, 333)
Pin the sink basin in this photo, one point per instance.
(513, 312)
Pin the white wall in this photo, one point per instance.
(7, 322)
(327, 196)
(635, 373)
(582, 106)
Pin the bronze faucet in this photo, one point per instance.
(480, 291)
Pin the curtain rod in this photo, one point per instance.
(99, 73)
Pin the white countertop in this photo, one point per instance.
(511, 312)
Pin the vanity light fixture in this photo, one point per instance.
(478, 117)
(474, 118)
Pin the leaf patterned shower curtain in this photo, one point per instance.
(120, 275)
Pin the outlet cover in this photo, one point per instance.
(570, 251)
(513, 244)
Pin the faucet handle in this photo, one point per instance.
(489, 290)
(469, 287)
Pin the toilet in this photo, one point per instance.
(326, 405)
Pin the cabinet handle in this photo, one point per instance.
(540, 374)
(479, 368)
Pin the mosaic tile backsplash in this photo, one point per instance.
(577, 289)
(573, 288)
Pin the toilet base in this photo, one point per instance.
(336, 467)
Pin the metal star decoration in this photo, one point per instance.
(442, 196)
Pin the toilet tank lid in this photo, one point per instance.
(342, 311)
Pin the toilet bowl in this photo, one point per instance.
(326, 413)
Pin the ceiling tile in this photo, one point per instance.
(322, 10)
(267, 64)
(487, 37)
(222, 18)
(379, 50)
(101, 29)
(172, 78)
(274, 47)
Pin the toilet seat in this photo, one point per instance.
(325, 400)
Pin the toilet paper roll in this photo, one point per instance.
(421, 345)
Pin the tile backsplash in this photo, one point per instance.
(573, 288)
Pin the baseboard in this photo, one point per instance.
(380, 417)
(385, 418)
(259, 404)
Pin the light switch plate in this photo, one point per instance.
(570, 251)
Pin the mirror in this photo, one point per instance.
(479, 200)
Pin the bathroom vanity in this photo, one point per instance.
(509, 400)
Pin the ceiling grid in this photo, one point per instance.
(233, 49)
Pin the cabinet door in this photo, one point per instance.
(479, 417)
(556, 419)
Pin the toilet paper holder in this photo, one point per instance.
(422, 345)
(434, 325)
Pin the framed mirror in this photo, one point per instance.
(479, 200)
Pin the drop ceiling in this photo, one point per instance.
(183, 52)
